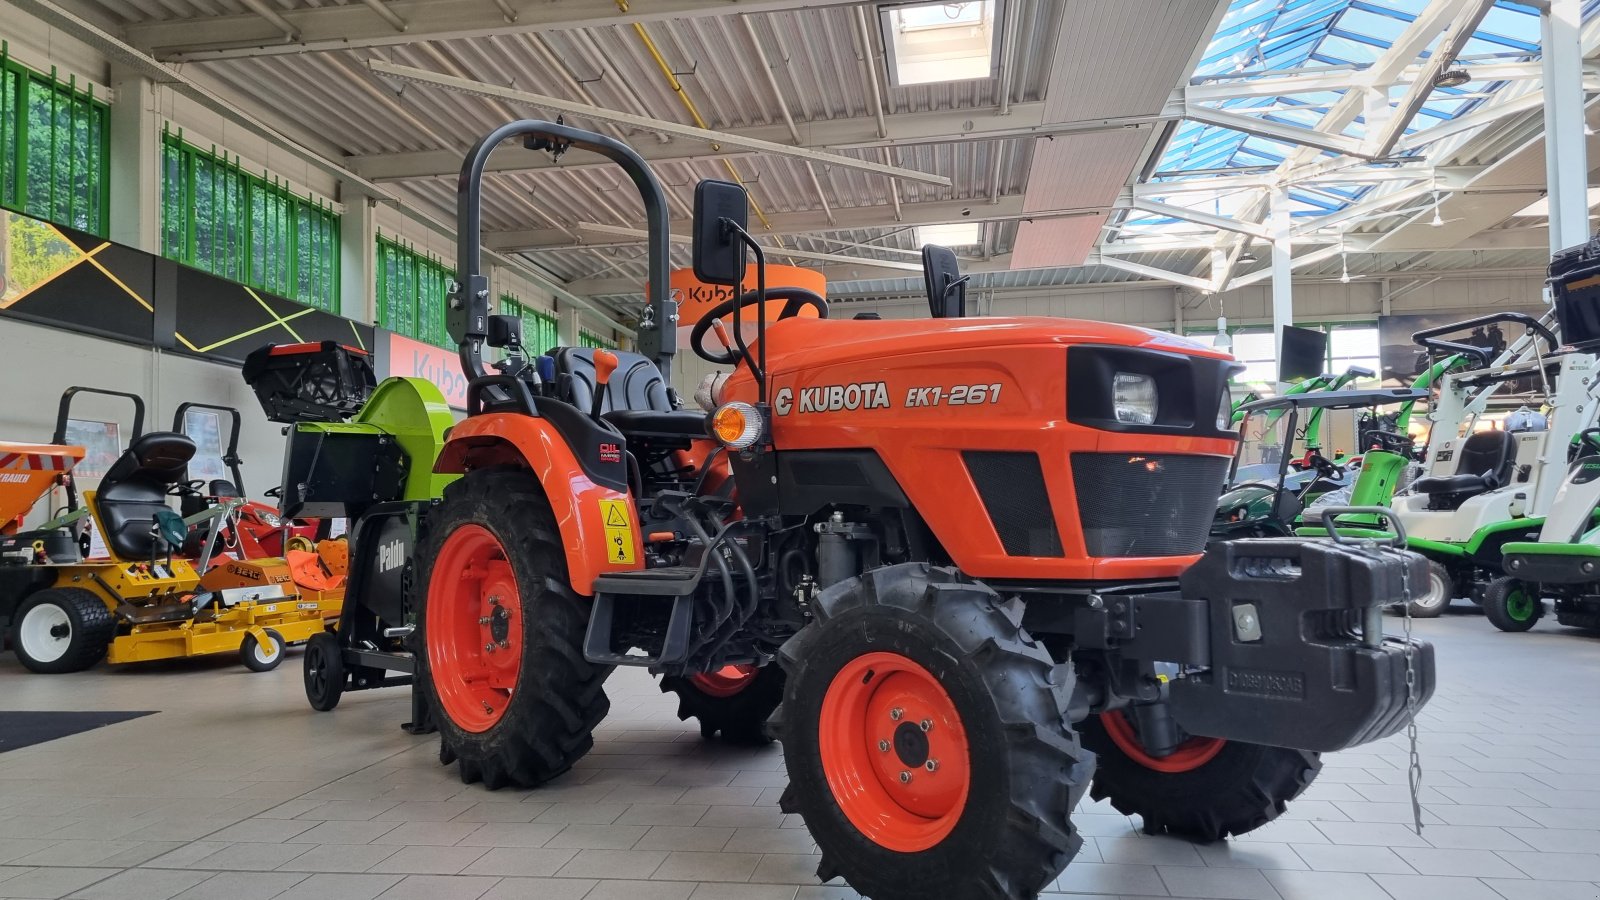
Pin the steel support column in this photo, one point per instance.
(1282, 267)
(1566, 169)
(135, 161)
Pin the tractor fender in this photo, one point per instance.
(599, 526)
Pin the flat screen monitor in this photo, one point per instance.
(1304, 355)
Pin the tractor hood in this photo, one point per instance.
(802, 343)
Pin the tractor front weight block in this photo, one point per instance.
(1296, 655)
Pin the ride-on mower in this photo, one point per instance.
(971, 552)
(140, 600)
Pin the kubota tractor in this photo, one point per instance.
(960, 562)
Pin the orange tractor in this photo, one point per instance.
(957, 566)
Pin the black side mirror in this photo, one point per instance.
(718, 255)
(947, 287)
(505, 331)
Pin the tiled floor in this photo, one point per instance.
(238, 791)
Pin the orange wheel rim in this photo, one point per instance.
(894, 751)
(724, 682)
(1190, 755)
(474, 633)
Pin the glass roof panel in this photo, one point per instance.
(1259, 38)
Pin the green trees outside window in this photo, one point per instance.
(411, 293)
(218, 217)
(538, 327)
(54, 148)
(587, 338)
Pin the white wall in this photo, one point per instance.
(38, 363)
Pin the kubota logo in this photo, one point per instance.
(391, 556)
(833, 398)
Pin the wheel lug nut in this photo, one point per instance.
(883, 746)
(489, 647)
(905, 777)
(926, 724)
(484, 620)
(897, 713)
(505, 644)
(931, 765)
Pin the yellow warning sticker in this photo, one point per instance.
(619, 531)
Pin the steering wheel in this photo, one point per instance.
(1590, 438)
(795, 299)
(1324, 466)
(193, 488)
(1391, 441)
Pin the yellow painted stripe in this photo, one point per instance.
(114, 279)
(357, 332)
(277, 319)
(258, 329)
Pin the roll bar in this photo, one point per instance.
(64, 411)
(230, 455)
(1428, 338)
(467, 312)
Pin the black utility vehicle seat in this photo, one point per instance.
(1486, 463)
(636, 400)
(135, 487)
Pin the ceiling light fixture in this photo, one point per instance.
(1451, 78)
(1246, 258)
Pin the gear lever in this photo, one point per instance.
(605, 362)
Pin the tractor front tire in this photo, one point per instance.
(1429, 601)
(734, 702)
(502, 635)
(1205, 791)
(1511, 604)
(927, 740)
(60, 630)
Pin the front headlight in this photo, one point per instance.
(1134, 398)
(1225, 411)
(269, 520)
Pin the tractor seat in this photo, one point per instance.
(134, 489)
(636, 400)
(1486, 463)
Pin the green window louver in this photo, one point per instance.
(538, 326)
(587, 338)
(411, 293)
(54, 148)
(218, 217)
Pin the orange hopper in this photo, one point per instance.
(27, 471)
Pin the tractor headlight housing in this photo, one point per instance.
(1225, 411)
(1134, 398)
(737, 425)
(268, 519)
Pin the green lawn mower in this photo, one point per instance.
(1563, 564)
(1274, 507)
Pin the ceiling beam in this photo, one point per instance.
(1381, 135)
(659, 126)
(356, 26)
(943, 212)
(1200, 217)
(1026, 120)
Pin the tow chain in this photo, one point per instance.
(1414, 766)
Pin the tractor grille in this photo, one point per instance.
(1011, 486)
(1146, 505)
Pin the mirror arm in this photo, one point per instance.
(758, 368)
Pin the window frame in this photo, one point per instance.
(274, 264)
(20, 81)
(424, 270)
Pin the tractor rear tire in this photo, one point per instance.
(60, 630)
(921, 690)
(734, 704)
(1436, 594)
(1511, 604)
(1230, 788)
(324, 671)
(514, 698)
